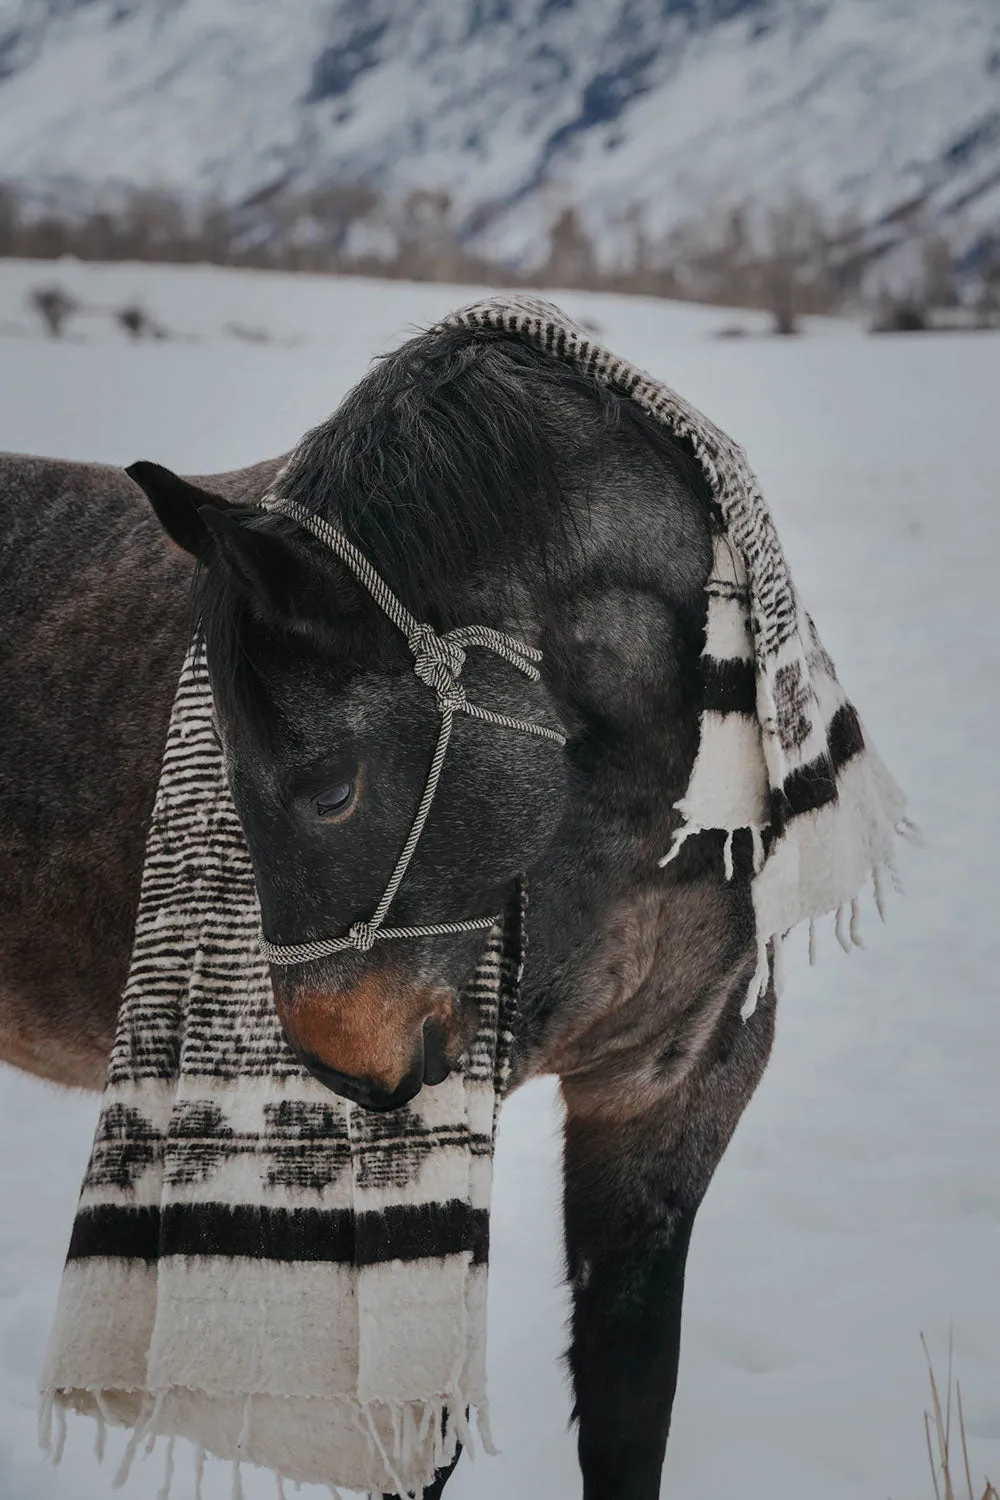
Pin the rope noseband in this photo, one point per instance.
(437, 661)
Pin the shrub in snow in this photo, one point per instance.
(900, 317)
(137, 323)
(54, 306)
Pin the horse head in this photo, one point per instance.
(482, 486)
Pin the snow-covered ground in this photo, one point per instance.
(859, 1203)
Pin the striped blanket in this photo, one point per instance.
(257, 1265)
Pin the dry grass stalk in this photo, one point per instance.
(940, 1426)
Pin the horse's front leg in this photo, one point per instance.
(633, 1184)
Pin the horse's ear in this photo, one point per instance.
(178, 506)
(273, 570)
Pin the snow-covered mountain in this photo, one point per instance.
(517, 107)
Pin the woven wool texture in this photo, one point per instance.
(256, 1264)
(262, 1268)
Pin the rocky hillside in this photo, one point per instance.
(643, 114)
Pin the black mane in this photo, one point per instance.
(444, 464)
(443, 461)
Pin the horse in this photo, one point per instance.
(486, 484)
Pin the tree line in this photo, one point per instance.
(789, 259)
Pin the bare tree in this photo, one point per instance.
(429, 245)
(215, 232)
(988, 301)
(938, 288)
(9, 221)
(650, 272)
(46, 239)
(791, 256)
(571, 259)
(776, 258)
(98, 237)
(153, 226)
(336, 209)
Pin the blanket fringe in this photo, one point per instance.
(401, 1439)
(104, 1421)
(761, 978)
(46, 1417)
(52, 1427)
(485, 1432)
(879, 892)
(846, 927)
(168, 1471)
(138, 1433)
(411, 1424)
(688, 830)
(59, 1446)
(757, 835)
(463, 1431)
(679, 839)
(727, 855)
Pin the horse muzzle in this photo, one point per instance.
(376, 1043)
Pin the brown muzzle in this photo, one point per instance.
(376, 1043)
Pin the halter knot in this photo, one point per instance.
(362, 936)
(438, 661)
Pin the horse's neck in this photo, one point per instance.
(630, 758)
(622, 643)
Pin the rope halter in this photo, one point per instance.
(437, 661)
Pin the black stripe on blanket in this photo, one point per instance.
(814, 785)
(397, 1232)
(729, 686)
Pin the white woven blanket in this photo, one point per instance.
(259, 1266)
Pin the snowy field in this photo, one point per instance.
(859, 1203)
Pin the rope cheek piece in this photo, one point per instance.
(437, 661)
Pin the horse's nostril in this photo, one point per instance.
(436, 1066)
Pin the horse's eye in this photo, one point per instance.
(334, 799)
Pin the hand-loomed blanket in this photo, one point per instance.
(256, 1264)
(261, 1267)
